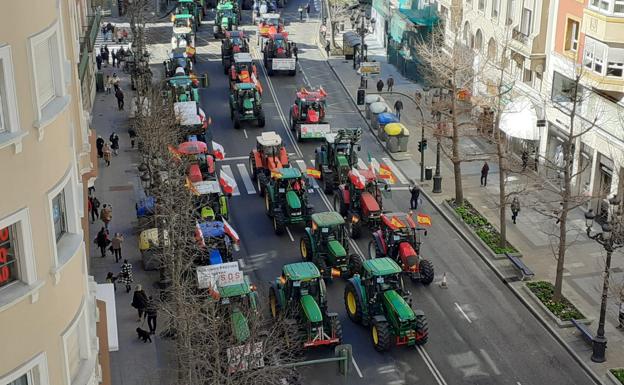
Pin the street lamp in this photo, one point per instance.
(363, 20)
(610, 243)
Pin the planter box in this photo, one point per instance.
(561, 324)
(612, 379)
(472, 233)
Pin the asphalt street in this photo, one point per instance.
(479, 333)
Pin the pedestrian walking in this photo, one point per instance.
(525, 160)
(119, 34)
(152, 313)
(120, 98)
(327, 49)
(132, 134)
(307, 11)
(108, 84)
(106, 53)
(390, 83)
(114, 56)
(295, 51)
(380, 85)
(106, 215)
(125, 275)
(99, 144)
(107, 151)
(110, 278)
(414, 190)
(116, 81)
(124, 34)
(94, 206)
(484, 173)
(621, 310)
(300, 13)
(116, 246)
(398, 106)
(139, 301)
(102, 241)
(98, 61)
(114, 139)
(515, 209)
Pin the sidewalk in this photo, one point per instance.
(584, 259)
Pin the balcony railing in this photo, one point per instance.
(87, 40)
(519, 36)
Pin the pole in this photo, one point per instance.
(362, 15)
(437, 178)
(422, 147)
(599, 345)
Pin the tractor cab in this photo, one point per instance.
(247, 97)
(183, 24)
(238, 301)
(227, 17)
(310, 105)
(236, 40)
(183, 88)
(286, 197)
(210, 201)
(182, 39)
(191, 118)
(270, 23)
(303, 280)
(400, 227)
(360, 200)
(272, 152)
(217, 239)
(243, 70)
(178, 58)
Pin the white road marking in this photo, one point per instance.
(490, 362)
(463, 313)
(249, 186)
(395, 170)
(361, 164)
(432, 368)
(228, 170)
(357, 368)
(302, 166)
(400, 188)
(290, 234)
(233, 158)
(305, 77)
(245, 132)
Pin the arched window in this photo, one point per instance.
(478, 41)
(491, 50)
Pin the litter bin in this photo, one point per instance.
(428, 173)
(370, 99)
(376, 109)
(99, 81)
(393, 132)
(383, 119)
(403, 138)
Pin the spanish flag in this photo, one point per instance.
(191, 186)
(386, 173)
(396, 222)
(276, 174)
(314, 173)
(423, 219)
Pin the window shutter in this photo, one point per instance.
(43, 69)
(3, 125)
(616, 55)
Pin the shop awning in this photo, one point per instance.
(519, 120)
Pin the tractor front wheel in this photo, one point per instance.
(353, 303)
(381, 336)
(356, 228)
(339, 204)
(305, 246)
(336, 328)
(278, 225)
(252, 168)
(422, 330)
(426, 271)
(273, 305)
(237, 122)
(355, 264)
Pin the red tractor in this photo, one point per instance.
(243, 70)
(360, 200)
(399, 238)
(278, 55)
(234, 42)
(268, 24)
(307, 114)
(268, 156)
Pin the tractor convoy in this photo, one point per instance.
(374, 294)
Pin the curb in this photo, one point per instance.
(612, 379)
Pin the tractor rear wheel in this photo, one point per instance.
(267, 205)
(353, 303)
(298, 132)
(381, 336)
(261, 120)
(278, 224)
(328, 183)
(260, 183)
(426, 271)
(273, 305)
(323, 269)
(422, 330)
(225, 67)
(355, 264)
(292, 72)
(305, 246)
(339, 204)
(355, 229)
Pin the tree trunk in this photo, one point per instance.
(459, 191)
(502, 166)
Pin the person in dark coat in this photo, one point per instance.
(484, 173)
(120, 99)
(125, 275)
(515, 209)
(398, 106)
(101, 240)
(390, 83)
(94, 205)
(414, 195)
(99, 144)
(132, 133)
(114, 139)
(139, 301)
(98, 61)
(380, 85)
(327, 49)
(152, 313)
(114, 56)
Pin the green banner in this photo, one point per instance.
(397, 27)
(381, 6)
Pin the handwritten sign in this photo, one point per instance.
(223, 274)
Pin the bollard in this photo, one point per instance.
(443, 284)
(345, 351)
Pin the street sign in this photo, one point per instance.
(223, 274)
(370, 68)
(245, 357)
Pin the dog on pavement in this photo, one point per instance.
(144, 335)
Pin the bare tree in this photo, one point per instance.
(340, 11)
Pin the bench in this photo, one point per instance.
(524, 269)
(585, 333)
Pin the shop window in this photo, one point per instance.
(564, 89)
(572, 35)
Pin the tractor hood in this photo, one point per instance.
(293, 200)
(248, 104)
(311, 309)
(342, 161)
(335, 249)
(225, 22)
(398, 305)
(369, 204)
(240, 328)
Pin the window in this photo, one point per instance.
(75, 341)
(510, 12)
(615, 63)
(564, 89)
(482, 5)
(59, 215)
(9, 120)
(528, 76)
(9, 266)
(525, 23)
(614, 69)
(495, 8)
(608, 6)
(595, 53)
(34, 372)
(572, 35)
(23, 380)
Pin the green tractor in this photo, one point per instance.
(246, 104)
(239, 301)
(285, 197)
(182, 87)
(326, 244)
(336, 156)
(300, 295)
(192, 8)
(377, 298)
(227, 18)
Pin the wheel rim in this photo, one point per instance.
(258, 184)
(375, 335)
(351, 304)
(304, 249)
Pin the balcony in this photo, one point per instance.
(519, 36)
(603, 27)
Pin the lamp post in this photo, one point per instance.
(363, 20)
(610, 243)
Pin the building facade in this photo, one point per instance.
(47, 299)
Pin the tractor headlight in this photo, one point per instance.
(295, 213)
(355, 219)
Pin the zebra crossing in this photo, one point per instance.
(239, 172)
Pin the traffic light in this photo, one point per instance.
(361, 95)
(422, 145)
